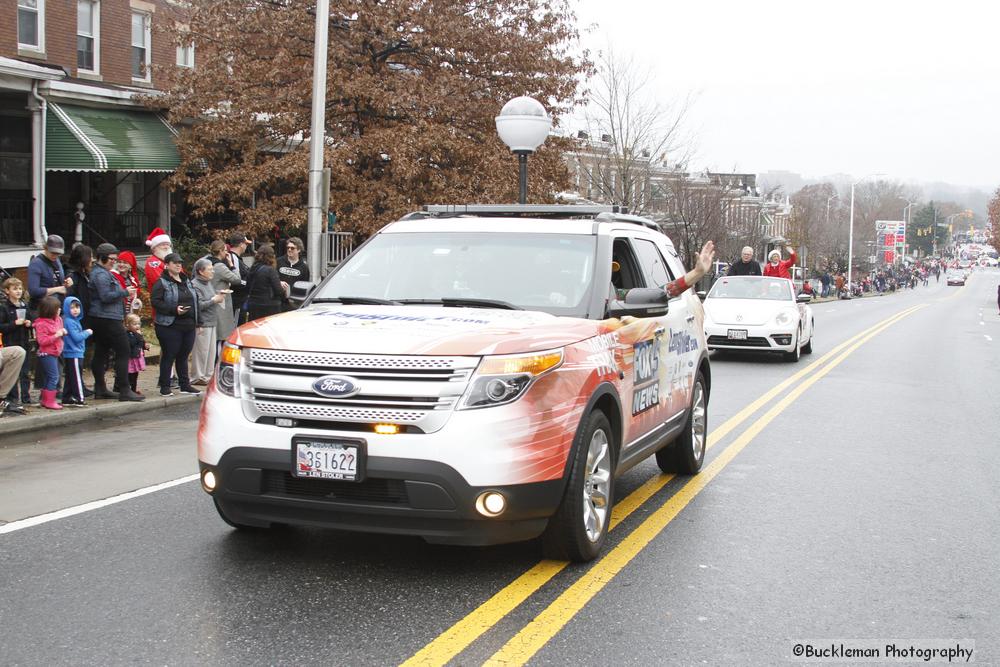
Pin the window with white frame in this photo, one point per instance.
(185, 55)
(88, 27)
(140, 46)
(31, 24)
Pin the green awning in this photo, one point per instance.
(88, 139)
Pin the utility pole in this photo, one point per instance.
(317, 140)
(934, 231)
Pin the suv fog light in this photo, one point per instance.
(208, 481)
(491, 504)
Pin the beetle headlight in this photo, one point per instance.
(504, 379)
(784, 317)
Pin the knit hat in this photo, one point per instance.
(156, 237)
(129, 257)
(106, 249)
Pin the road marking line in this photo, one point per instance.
(451, 642)
(93, 505)
(526, 643)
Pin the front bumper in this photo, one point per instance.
(397, 496)
(759, 338)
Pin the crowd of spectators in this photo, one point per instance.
(91, 308)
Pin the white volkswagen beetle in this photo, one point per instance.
(755, 313)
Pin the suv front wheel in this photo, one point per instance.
(687, 452)
(579, 527)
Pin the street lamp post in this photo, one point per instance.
(523, 125)
(317, 139)
(850, 233)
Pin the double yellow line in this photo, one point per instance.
(539, 631)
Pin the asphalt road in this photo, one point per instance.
(858, 502)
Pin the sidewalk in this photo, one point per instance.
(41, 418)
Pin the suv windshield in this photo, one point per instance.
(769, 289)
(545, 272)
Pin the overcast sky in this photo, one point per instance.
(911, 89)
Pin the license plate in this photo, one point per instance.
(736, 334)
(327, 460)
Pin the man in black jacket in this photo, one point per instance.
(236, 245)
(746, 266)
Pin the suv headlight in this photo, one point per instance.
(228, 377)
(504, 379)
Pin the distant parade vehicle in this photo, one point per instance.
(956, 277)
(760, 314)
(471, 375)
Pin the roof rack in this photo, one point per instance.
(524, 210)
(598, 212)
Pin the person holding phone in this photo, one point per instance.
(176, 305)
(107, 312)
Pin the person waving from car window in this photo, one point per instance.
(701, 266)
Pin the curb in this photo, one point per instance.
(12, 424)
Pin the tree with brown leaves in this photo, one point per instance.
(412, 92)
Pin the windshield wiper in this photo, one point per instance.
(363, 300)
(451, 301)
(479, 303)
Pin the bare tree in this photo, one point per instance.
(699, 210)
(632, 134)
(816, 225)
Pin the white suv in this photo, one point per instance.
(472, 375)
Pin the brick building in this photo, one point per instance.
(72, 134)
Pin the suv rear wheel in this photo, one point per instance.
(579, 527)
(687, 453)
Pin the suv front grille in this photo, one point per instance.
(373, 490)
(408, 390)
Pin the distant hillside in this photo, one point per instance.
(976, 199)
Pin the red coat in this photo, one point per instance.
(154, 268)
(783, 269)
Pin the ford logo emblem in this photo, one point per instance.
(336, 386)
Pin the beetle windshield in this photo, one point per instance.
(752, 287)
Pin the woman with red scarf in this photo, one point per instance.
(126, 272)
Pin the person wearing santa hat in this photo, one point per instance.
(160, 246)
(126, 272)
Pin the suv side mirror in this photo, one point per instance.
(640, 302)
(301, 289)
(702, 294)
(804, 298)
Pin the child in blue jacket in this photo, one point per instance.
(74, 345)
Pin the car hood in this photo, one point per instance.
(748, 312)
(426, 330)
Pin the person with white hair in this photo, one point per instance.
(203, 353)
(778, 268)
(746, 266)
